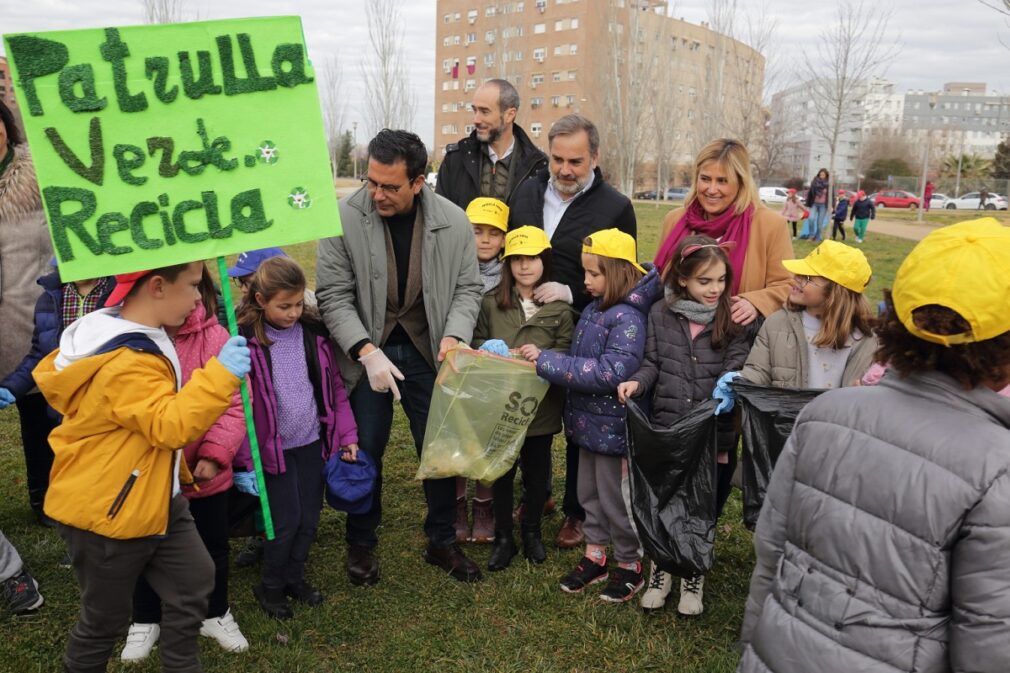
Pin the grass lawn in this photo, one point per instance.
(416, 619)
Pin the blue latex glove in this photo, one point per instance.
(246, 482)
(6, 398)
(724, 392)
(496, 347)
(234, 356)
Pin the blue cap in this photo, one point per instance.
(248, 262)
(349, 486)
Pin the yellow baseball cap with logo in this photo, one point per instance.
(492, 212)
(529, 241)
(613, 243)
(964, 267)
(835, 261)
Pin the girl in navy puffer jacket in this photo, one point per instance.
(607, 348)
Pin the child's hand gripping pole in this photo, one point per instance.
(254, 447)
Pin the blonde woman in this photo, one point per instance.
(723, 203)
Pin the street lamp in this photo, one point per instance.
(925, 157)
(960, 153)
(354, 148)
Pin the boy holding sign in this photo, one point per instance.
(115, 379)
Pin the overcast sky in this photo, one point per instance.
(940, 40)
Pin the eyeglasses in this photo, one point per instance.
(374, 186)
(242, 283)
(803, 281)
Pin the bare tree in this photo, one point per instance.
(330, 81)
(857, 46)
(166, 11)
(391, 101)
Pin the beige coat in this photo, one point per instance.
(779, 355)
(764, 282)
(25, 250)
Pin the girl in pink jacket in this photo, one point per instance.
(210, 460)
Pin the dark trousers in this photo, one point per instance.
(723, 481)
(36, 424)
(296, 500)
(535, 460)
(211, 517)
(571, 506)
(794, 223)
(373, 413)
(838, 227)
(177, 566)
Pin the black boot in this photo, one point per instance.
(273, 602)
(533, 545)
(503, 551)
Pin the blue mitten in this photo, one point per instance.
(6, 398)
(246, 482)
(724, 392)
(234, 356)
(496, 347)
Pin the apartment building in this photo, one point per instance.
(568, 56)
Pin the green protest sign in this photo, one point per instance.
(165, 144)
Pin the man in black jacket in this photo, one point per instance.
(570, 202)
(497, 158)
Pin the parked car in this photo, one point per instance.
(896, 198)
(938, 200)
(677, 193)
(773, 194)
(970, 201)
(648, 196)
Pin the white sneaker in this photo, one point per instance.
(657, 589)
(140, 641)
(226, 632)
(690, 596)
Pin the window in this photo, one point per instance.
(489, 59)
(447, 18)
(541, 5)
(556, 76)
(455, 39)
(571, 75)
(536, 128)
(555, 101)
(570, 100)
(518, 56)
(490, 11)
(468, 129)
(536, 101)
(539, 54)
(537, 78)
(490, 35)
(566, 24)
(471, 38)
(471, 84)
(447, 42)
(471, 16)
(449, 129)
(573, 49)
(539, 28)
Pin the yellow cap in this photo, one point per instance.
(964, 267)
(529, 241)
(835, 261)
(485, 210)
(613, 243)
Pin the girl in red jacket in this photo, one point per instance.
(209, 459)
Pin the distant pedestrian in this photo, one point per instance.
(817, 202)
(841, 212)
(927, 195)
(863, 211)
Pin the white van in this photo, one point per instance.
(773, 194)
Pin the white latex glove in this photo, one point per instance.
(552, 291)
(382, 374)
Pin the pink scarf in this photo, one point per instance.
(726, 227)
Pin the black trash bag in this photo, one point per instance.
(673, 488)
(768, 416)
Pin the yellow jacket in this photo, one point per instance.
(123, 421)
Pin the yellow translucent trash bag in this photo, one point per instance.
(480, 410)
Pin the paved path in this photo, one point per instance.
(899, 228)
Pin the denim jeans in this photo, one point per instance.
(818, 220)
(373, 413)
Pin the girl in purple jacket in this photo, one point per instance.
(302, 415)
(607, 348)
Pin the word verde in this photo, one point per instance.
(175, 225)
(38, 57)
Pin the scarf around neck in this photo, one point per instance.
(490, 273)
(696, 312)
(727, 226)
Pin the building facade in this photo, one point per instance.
(583, 56)
(7, 85)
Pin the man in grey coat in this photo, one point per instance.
(884, 541)
(397, 290)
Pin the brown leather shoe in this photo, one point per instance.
(570, 535)
(362, 565)
(452, 560)
(517, 513)
(461, 525)
(483, 522)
